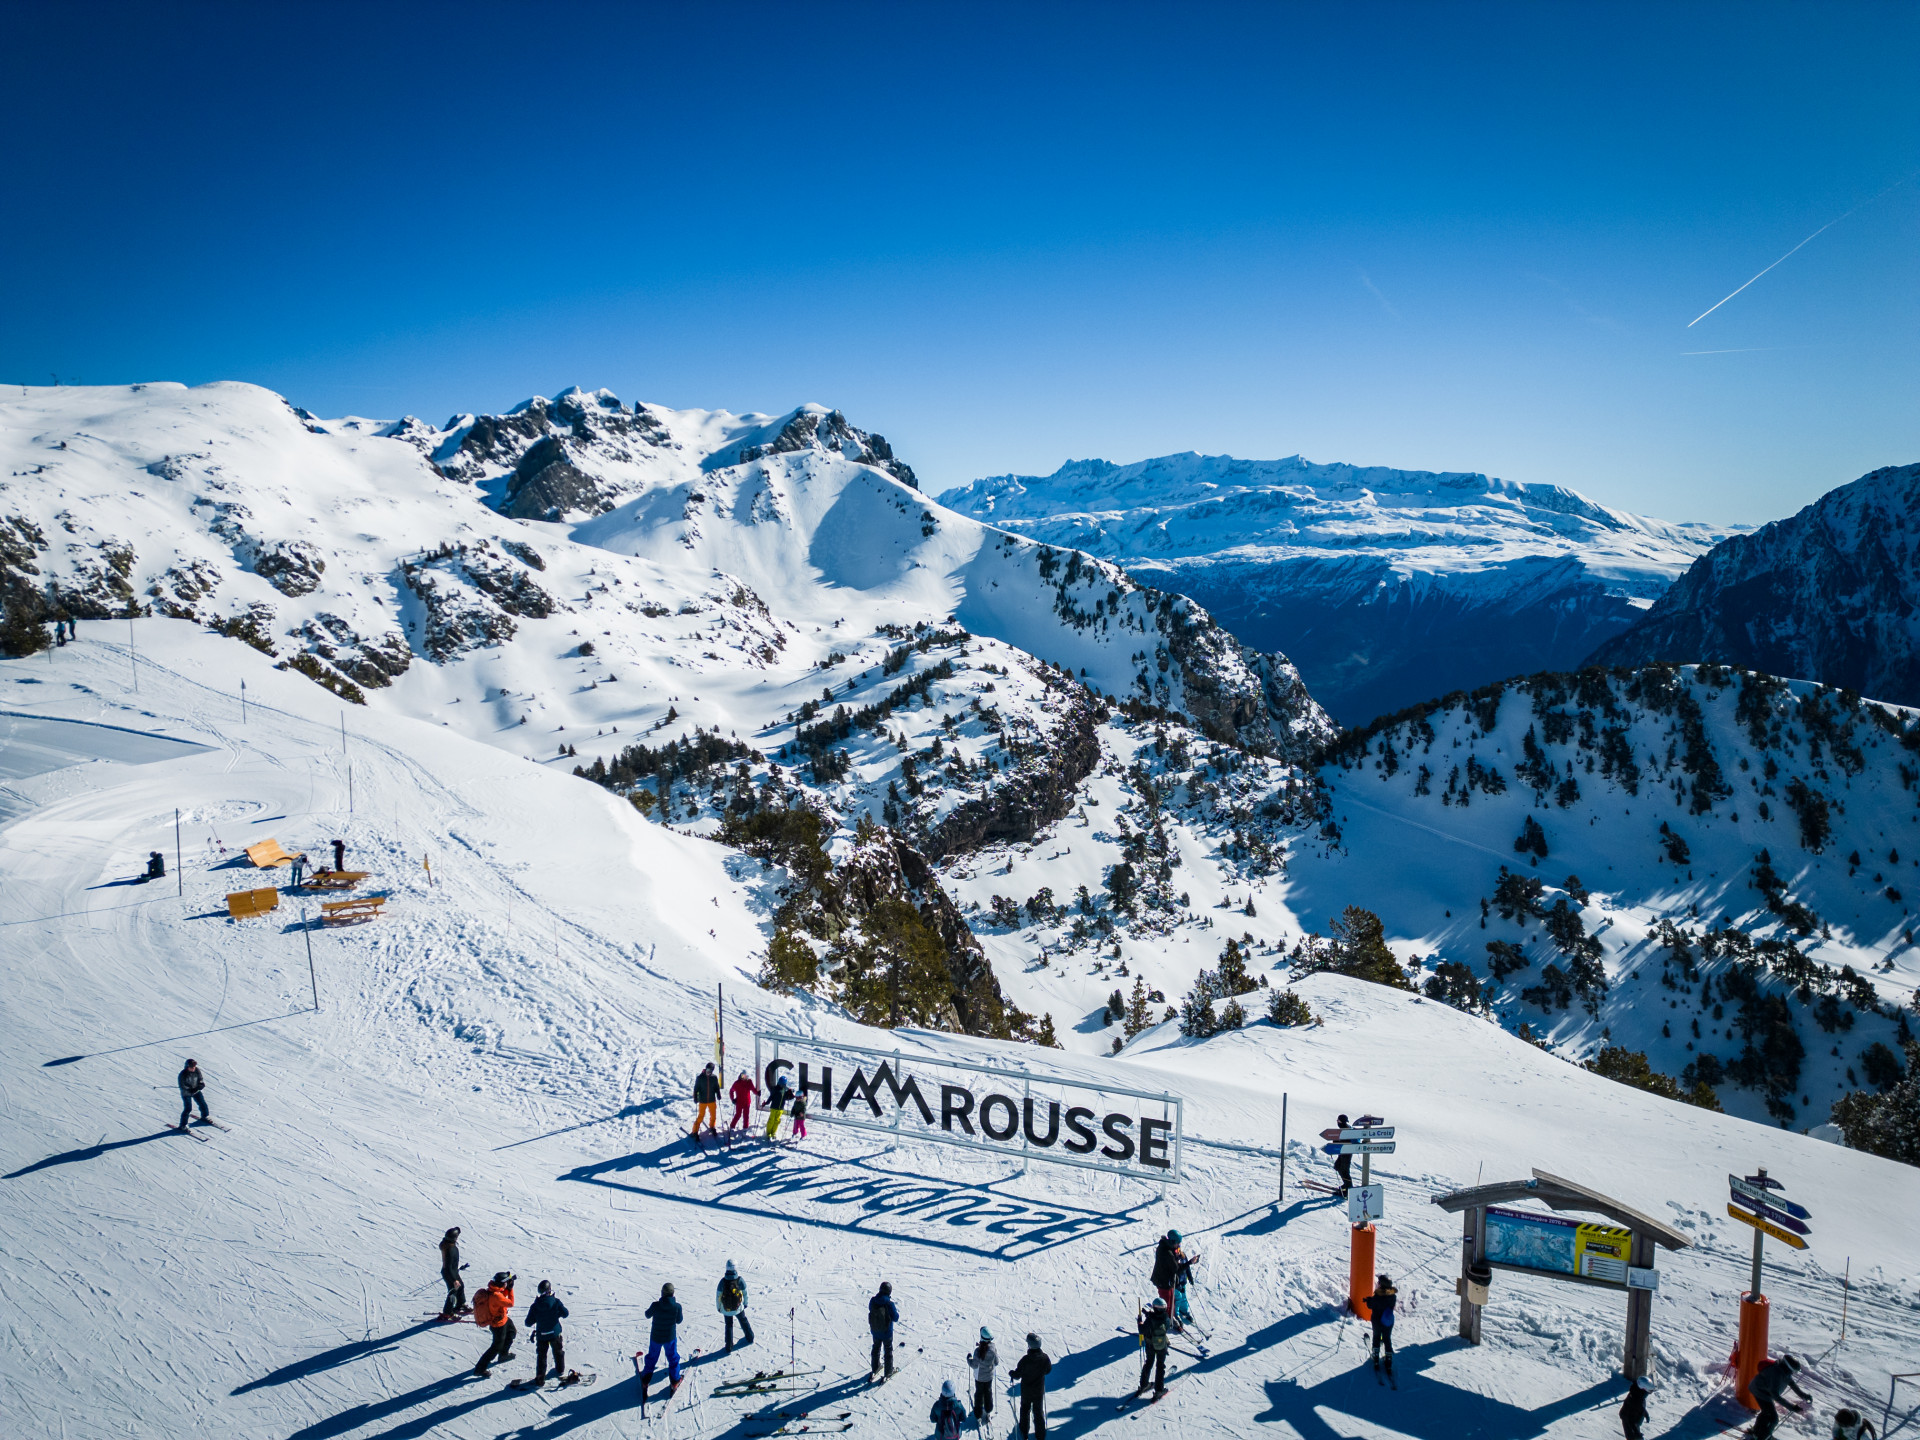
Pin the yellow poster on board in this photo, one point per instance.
(1601, 1252)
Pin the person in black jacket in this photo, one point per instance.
(456, 1301)
(193, 1090)
(1769, 1387)
(1152, 1326)
(1031, 1372)
(1343, 1165)
(1166, 1266)
(882, 1316)
(543, 1321)
(706, 1100)
(1380, 1306)
(1633, 1410)
(666, 1316)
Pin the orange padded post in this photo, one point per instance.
(1752, 1353)
(1360, 1271)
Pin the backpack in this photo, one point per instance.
(948, 1426)
(484, 1305)
(878, 1317)
(732, 1292)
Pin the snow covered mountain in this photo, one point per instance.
(1829, 594)
(1384, 586)
(509, 1049)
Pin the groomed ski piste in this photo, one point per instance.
(510, 1049)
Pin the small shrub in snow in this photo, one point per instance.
(1286, 1008)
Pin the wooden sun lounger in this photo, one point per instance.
(268, 853)
(363, 907)
(335, 879)
(243, 904)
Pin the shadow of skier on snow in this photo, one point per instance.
(490, 1392)
(91, 1152)
(1423, 1407)
(332, 1359)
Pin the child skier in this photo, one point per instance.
(782, 1093)
(730, 1298)
(947, 1413)
(1380, 1305)
(798, 1111)
(1633, 1410)
(1152, 1326)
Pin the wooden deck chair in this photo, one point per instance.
(268, 853)
(244, 904)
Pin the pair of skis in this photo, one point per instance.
(763, 1382)
(562, 1382)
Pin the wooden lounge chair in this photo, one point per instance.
(244, 904)
(268, 853)
(335, 879)
(361, 907)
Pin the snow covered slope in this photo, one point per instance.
(509, 1049)
(712, 563)
(1384, 586)
(1830, 594)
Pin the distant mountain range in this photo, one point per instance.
(1830, 594)
(1385, 587)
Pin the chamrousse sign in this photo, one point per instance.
(1020, 1113)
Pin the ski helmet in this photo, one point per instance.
(985, 1333)
(946, 1388)
(666, 1291)
(730, 1269)
(1386, 1282)
(546, 1287)
(1158, 1303)
(1343, 1121)
(190, 1064)
(501, 1277)
(1033, 1341)
(886, 1287)
(1174, 1235)
(1792, 1362)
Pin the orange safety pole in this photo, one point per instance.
(1360, 1271)
(1752, 1351)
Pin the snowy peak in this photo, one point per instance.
(1829, 594)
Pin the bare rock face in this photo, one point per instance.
(1830, 594)
(100, 585)
(1034, 797)
(372, 662)
(293, 567)
(547, 485)
(809, 428)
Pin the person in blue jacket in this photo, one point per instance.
(543, 1323)
(666, 1315)
(882, 1316)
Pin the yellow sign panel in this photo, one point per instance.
(1785, 1237)
(1601, 1252)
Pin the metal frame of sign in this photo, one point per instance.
(1173, 1108)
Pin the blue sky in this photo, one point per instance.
(1450, 237)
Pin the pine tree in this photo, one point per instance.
(1286, 1008)
(1232, 977)
(1232, 1015)
(894, 971)
(1138, 1016)
(790, 964)
(1358, 947)
(1045, 1036)
(1887, 1124)
(1197, 1020)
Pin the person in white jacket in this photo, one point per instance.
(984, 1361)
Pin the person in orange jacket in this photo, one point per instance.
(493, 1308)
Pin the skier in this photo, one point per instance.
(730, 1298)
(1343, 1165)
(1850, 1424)
(666, 1315)
(947, 1413)
(543, 1323)
(493, 1309)
(1774, 1378)
(782, 1093)
(299, 869)
(456, 1302)
(1166, 1265)
(1380, 1306)
(193, 1091)
(339, 855)
(1633, 1410)
(798, 1113)
(742, 1095)
(1031, 1372)
(1182, 1276)
(706, 1100)
(882, 1316)
(1152, 1325)
(984, 1362)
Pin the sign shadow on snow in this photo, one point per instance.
(1425, 1408)
(89, 1152)
(861, 1199)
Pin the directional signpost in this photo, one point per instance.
(1367, 1137)
(1758, 1201)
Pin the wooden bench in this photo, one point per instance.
(244, 904)
(343, 912)
(268, 853)
(335, 879)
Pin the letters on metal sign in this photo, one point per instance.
(1769, 1197)
(1785, 1237)
(1365, 1120)
(1378, 1132)
(1346, 1147)
(1028, 1115)
(1765, 1182)
(1642, 1277)
(1769, 1212)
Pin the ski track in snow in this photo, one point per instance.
(474, 1068)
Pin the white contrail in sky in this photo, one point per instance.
(1816, 234)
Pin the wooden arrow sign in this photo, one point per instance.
(1785, 1237)
(1767, 1212)
(1768, 1197)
